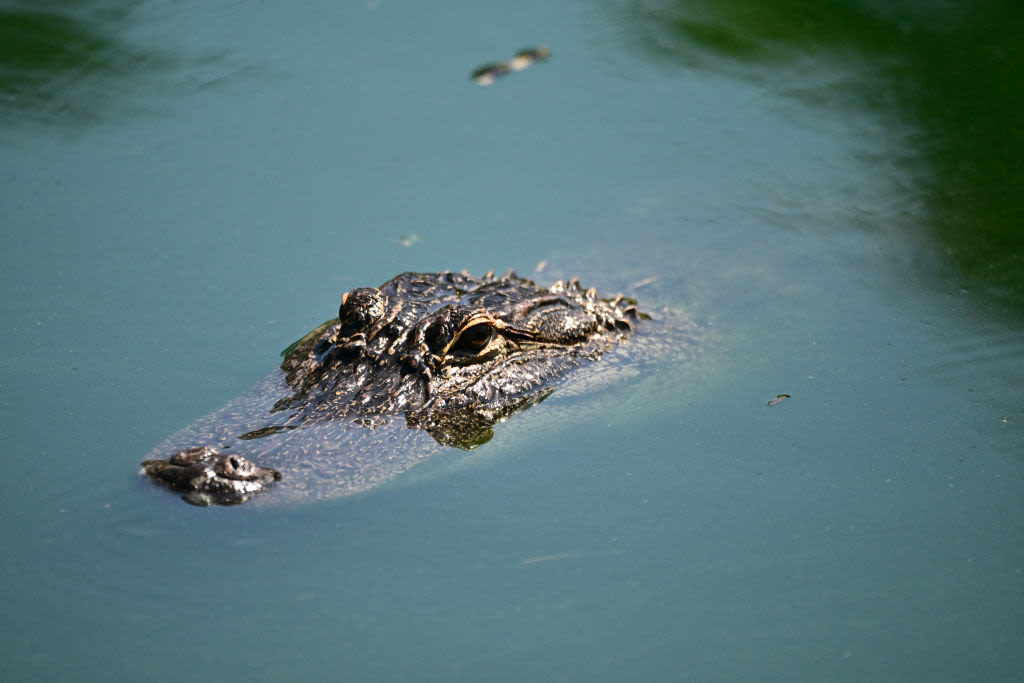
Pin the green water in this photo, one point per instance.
(186, 188)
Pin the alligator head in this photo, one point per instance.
(446, 352)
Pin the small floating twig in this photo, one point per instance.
(642, 283)
(488, 73)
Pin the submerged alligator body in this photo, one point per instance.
(426, 359)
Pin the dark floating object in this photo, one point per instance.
(778, 399)
(489, 73)
(525, 58)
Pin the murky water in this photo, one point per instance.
(186, 189)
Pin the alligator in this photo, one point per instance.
(423, 361)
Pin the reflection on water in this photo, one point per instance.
(65, 62)
(950, 72)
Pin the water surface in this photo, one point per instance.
(186, 189)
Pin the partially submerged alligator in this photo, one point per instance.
(425, 359)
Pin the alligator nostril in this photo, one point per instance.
(235, 465)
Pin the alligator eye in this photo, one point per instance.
(359, 309)
(474, 338)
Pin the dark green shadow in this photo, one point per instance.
(950, 72)
(63, 62)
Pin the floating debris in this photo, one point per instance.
(528, 57)
(568, 556)
(642, 283)
(549, 558)
(778, 399)
(489, 73)
(407, 240)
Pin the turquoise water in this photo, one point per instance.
(186, 189)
